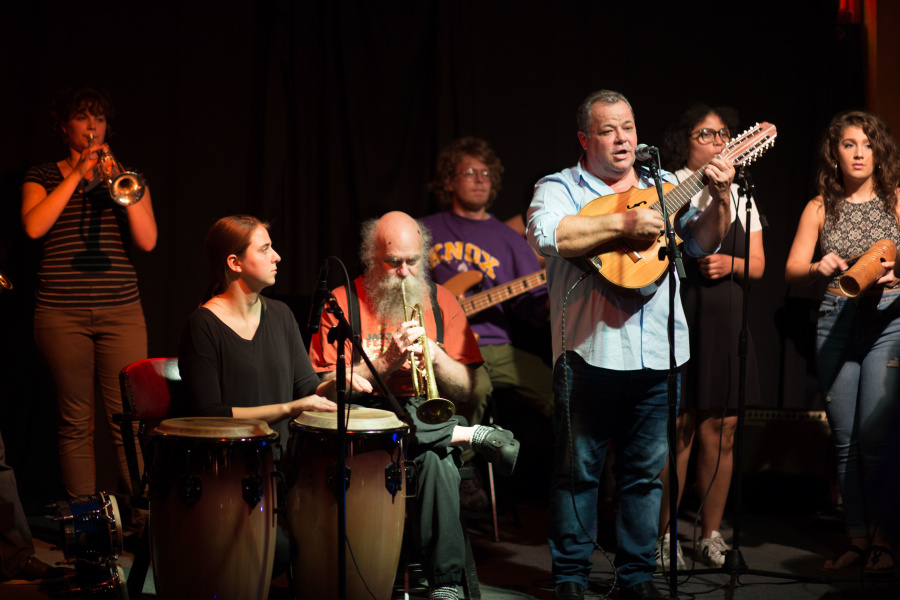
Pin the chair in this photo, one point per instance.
(149, 387)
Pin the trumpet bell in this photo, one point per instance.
(435, 411)
(127, 188)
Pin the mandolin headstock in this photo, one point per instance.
(750, 145)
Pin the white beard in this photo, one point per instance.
(386, 298)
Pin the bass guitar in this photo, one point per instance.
(636, 267)
(463, 282)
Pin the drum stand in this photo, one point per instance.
(340, 334)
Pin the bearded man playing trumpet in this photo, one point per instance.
(394, 250)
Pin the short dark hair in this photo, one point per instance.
(583, 114)
(76, 99)
(450, 157)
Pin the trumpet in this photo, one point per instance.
(125, 187)
(5, 284)
(434, 409)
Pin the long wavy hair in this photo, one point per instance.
(885, 177)
(450, 157)
(676, 140)
(227, 236)
(76, 99)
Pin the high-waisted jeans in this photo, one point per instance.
(858, 360)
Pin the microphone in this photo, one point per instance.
(643, 152)
(318, 301)
(746, 181)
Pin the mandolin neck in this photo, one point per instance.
(682, 193)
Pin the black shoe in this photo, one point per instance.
(499, 447)
(568, 590)
(645, 590)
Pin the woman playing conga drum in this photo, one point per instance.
(859, 337)
(241, 355)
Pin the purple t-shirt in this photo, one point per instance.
(501, 254)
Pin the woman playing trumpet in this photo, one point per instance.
(859, 170)
(88, 318)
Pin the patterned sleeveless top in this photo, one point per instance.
(86, 261)
(856, 229)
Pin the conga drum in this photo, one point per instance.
(212, 508)
(375, 502)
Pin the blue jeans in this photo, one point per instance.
(858, 360)
(629, 409)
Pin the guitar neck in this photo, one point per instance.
(488, 298)
(682, 193)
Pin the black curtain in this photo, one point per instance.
(317, 115)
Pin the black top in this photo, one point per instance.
(221, 369)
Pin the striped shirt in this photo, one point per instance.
(86, 262)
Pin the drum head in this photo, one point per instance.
(215, 428)
(361, 420)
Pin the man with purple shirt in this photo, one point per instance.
(467, 237)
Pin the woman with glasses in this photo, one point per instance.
(858, 339)
(712, 297)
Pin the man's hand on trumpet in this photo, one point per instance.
(403, 342)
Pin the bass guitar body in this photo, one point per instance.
(629, 266)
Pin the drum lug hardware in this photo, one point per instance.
(252, 490)
(412, 478)
(331, 479)
(393, 479)
(190, 488)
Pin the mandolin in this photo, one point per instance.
(636, 267)
(461, 283)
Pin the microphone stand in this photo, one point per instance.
(339, 334)
(735, 566)
(675, 268)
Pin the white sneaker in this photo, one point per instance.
(661, 553)
(712, 549)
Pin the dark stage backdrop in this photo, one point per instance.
(316, 115)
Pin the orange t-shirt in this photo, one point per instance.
(459, 343)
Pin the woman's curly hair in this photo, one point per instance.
(450, 157)
(76, 99)
(885, 177)
(676, 139)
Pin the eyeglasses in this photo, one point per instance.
(469, 174)
(705, 135)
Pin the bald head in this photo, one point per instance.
(393, 234)
(395, 248)
(397, 230)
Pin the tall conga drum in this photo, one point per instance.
(212, 508)
(375, 502)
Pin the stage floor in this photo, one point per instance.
(792, 545)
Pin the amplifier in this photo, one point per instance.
(786, 441)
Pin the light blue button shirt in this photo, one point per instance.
(607, 329)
